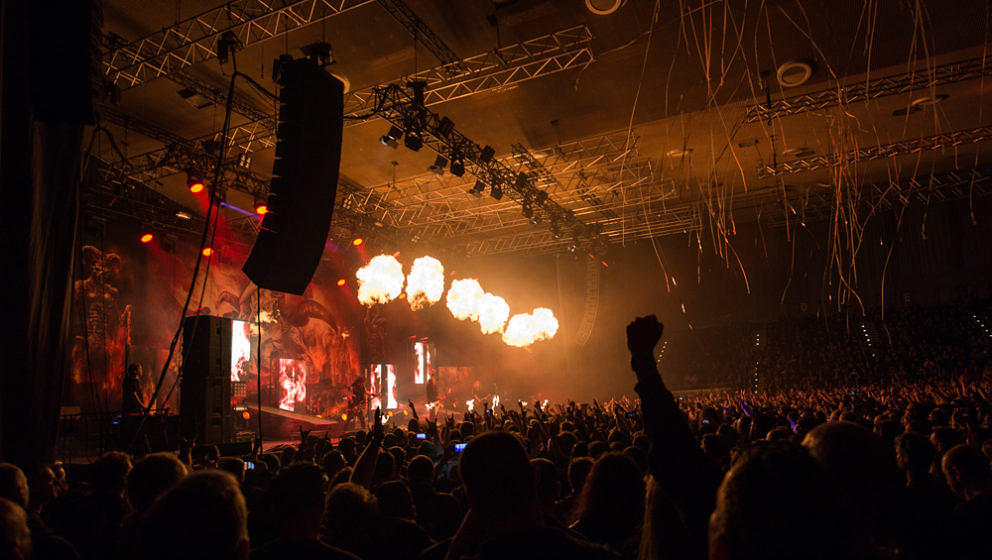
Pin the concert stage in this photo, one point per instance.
(279, 424)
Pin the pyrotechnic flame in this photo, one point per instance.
(463, 299)
(380, 281)
(525, 329)
(493, 312)
(495, 401)
(470, 404)
(425, 284)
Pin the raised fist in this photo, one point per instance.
(643, 334)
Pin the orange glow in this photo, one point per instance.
(402, 296)
(341, 282)
(358, 242)
(245, 415)
(196, 187)
(344, 415)
(207, 251)
(146, 238)
(605, 265)
(261, 209)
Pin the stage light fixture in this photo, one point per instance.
(445, 127)
(207, 251)
(341, 282)
(146, 238)
(496, 192)
(521, 183)
(390, 138)
(413, 140)
(358, 241)
(261, 208)
(487, 153)
(478, 189)
(440, 162)
(194, 182)
(457, 164)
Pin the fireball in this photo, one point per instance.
(463, 299)
(425, 283)
(380, 281)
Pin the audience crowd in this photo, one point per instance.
(893, 467)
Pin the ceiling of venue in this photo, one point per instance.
(659, 118)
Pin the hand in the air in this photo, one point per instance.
(643, 335)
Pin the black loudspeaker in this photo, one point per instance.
(205, 391)
(305, 179)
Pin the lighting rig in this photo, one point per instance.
(420, 126)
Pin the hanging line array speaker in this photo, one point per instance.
(293, 232)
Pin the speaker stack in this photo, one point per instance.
(206, 392)
(294, 231)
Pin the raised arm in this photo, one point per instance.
(365, 465)
(676, 461)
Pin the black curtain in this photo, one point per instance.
(46, 101)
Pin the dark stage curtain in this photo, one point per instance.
(40, 153)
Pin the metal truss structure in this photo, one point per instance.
(423, 34)
(921, 80)
(501, 68)
(195, 39)
(492, 70)
(883, 151)
(817, 202)
(403, 111)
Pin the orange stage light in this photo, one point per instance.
(207, 251)
(196, 187)
(261, 209)
(358, 241)
(341, 282)
(146, 238)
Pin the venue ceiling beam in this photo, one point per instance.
(921, 80)
(882, 151)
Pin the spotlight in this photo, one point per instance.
(440, 162)
(183, 215)
(146, 238)
(194, 182)
(357, 242)
(390, 138)
(445, 127)
(496, 192)
(521, 183)
(478, 189)
(207, 251)
(341, 282)
(413, 140)
(261, 208)
(487, 153)
(457, 165)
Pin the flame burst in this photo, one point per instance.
(525, 329)
(493, 312)
(425, 284)
(380, 281)
(463, 299)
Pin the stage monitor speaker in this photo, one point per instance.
(294, 231)
(205, 391)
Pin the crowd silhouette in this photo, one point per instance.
(891, 467)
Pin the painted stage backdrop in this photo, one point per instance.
(128, 297)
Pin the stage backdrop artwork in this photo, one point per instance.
(127, 301)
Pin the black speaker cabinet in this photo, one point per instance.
(206, 410)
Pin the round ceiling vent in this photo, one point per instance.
(794, 73)
(603, 7)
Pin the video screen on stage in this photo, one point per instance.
(375, 378)
(293, 382)
(240, 350)
(424, 361)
